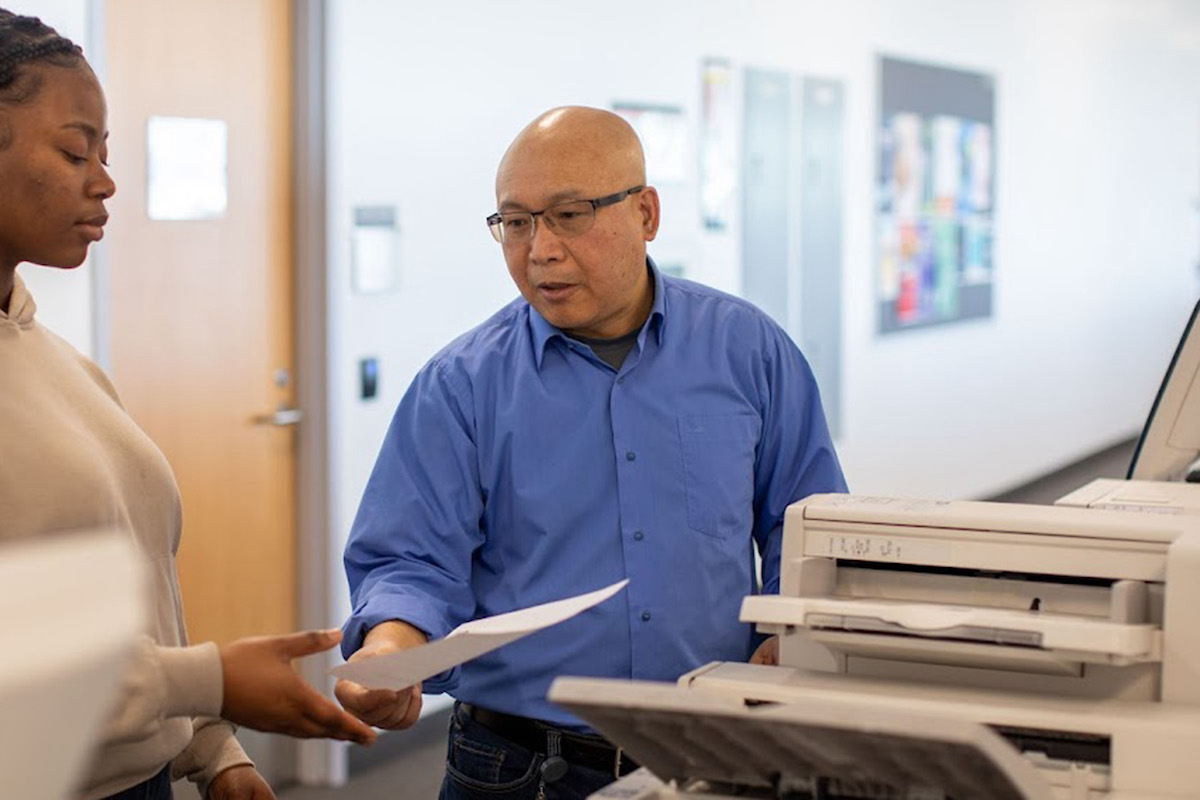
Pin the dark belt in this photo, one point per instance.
(581, 749)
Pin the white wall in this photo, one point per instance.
(1098, 167)
(64, 297)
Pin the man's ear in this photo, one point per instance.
(647, 201)
(6, 134)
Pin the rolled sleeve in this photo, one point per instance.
(409, 553)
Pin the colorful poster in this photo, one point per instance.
(936, 195)
(664, 134)
(718, 145)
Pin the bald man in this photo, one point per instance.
(610, 423)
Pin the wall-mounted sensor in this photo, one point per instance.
(368, 378)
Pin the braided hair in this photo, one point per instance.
(28, 40)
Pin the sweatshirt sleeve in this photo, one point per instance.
(166, 682)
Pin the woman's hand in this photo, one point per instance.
(263, 691)
(240, 783)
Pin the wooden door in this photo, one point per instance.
(201, 311)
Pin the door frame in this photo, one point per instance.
(98, 256)
(318, 762)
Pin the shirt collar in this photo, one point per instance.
(543, 331)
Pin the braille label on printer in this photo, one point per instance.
(875, 548)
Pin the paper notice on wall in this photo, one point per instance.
(187, 168)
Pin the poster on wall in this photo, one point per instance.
(718, 145)
(936, 195)
(664, 135)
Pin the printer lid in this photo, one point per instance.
(952, 517)
(684, 735)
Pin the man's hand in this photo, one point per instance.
(263, 691)
(240, 783)
(384, 708)
(767, 653)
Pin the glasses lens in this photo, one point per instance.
(571, 218)
(515, 227)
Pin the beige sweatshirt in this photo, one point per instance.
(70, 458)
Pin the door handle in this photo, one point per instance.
(279, 418)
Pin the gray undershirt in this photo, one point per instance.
(612, 351)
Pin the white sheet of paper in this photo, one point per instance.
(471, 639)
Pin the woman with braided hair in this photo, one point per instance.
(71, 458)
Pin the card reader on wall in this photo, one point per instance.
(368, 378)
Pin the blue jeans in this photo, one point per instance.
(482, 765)
(156, 788)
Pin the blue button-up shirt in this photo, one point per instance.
(520, 468)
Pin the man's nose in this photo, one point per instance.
(544, 244)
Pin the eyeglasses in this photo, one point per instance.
(566, 219)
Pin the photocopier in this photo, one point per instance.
(933, 649)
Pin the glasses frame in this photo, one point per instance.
(495, 221)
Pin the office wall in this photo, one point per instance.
(1098, 159)
(64, 297)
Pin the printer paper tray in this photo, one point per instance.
(1059, 633)
(682, 735)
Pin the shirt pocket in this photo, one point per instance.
(718, 470)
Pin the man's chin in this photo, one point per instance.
(558, 316)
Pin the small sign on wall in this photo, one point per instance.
(187, 169)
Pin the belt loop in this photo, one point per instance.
(555, 766)
(617, 764)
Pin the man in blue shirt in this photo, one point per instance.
(610, 423)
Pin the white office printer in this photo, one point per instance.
(962, 650)
(934, 649)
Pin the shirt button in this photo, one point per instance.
(629, 455)
(620, 379)
(645, 616)
(638, 536)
